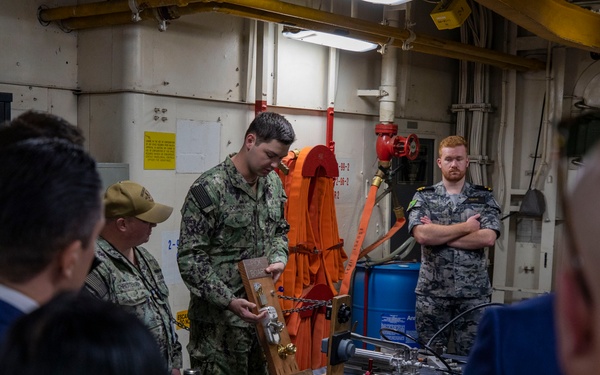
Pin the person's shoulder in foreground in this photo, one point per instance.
(8, 314)
(578, 281)
(51, 212)
(516, 339)
(76, 333)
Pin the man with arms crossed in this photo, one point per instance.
(453, 221)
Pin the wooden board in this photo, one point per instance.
(253, 274)
(337, 327)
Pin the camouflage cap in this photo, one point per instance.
(129, 199)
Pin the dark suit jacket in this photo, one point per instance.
(516, 339)
(8, 314)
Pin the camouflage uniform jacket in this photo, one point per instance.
(447, 271)
(225, 221)
(141, 291)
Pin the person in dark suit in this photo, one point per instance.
(578, 281)
(75, 334)
(8, 314)
(50, 194)
(517, 339)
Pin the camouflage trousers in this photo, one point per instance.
(219, 349)
(433, 313)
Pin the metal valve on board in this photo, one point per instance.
(286, 350)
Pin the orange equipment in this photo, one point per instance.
(316, 260)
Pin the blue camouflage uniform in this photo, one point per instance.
(452, 280)
(140, 290)
(224, 221)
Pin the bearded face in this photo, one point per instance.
(453, 163)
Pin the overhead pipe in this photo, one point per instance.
(562, 29)
(384, 33)
(82, 10)
(517, 63)
(80, 16)
(554, 20)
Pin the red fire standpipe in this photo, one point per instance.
(390, 145)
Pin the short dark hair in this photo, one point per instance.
(35, 124)
(50, 196)
(77, 333)
(269, 125)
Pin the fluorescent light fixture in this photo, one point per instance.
(388, 2)
(330, 40)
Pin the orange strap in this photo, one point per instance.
(301, 238)
(318, 331)
(329, 264)
(397, 225)
(360, 237)
(288, 278)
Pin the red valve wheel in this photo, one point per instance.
(412, 147)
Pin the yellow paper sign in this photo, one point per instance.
(182, 319)
(159, 150)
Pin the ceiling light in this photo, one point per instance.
(329, 40)
(388, 2)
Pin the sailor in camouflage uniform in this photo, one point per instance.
(453, 221)
(126, 273)
(233, 211)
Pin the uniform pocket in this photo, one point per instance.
(237, 222)
(131, 293)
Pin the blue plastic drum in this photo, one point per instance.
(390, 300)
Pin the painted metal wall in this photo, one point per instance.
(38, 64)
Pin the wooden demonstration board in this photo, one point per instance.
(272, 333)
(340, 329)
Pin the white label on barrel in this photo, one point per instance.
(399, 322)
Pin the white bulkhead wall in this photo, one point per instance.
(38, 65)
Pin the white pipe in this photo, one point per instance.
(332, 76)
(389, 69)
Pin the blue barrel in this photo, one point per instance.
(390, 300)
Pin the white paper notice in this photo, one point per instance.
(197, 145)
